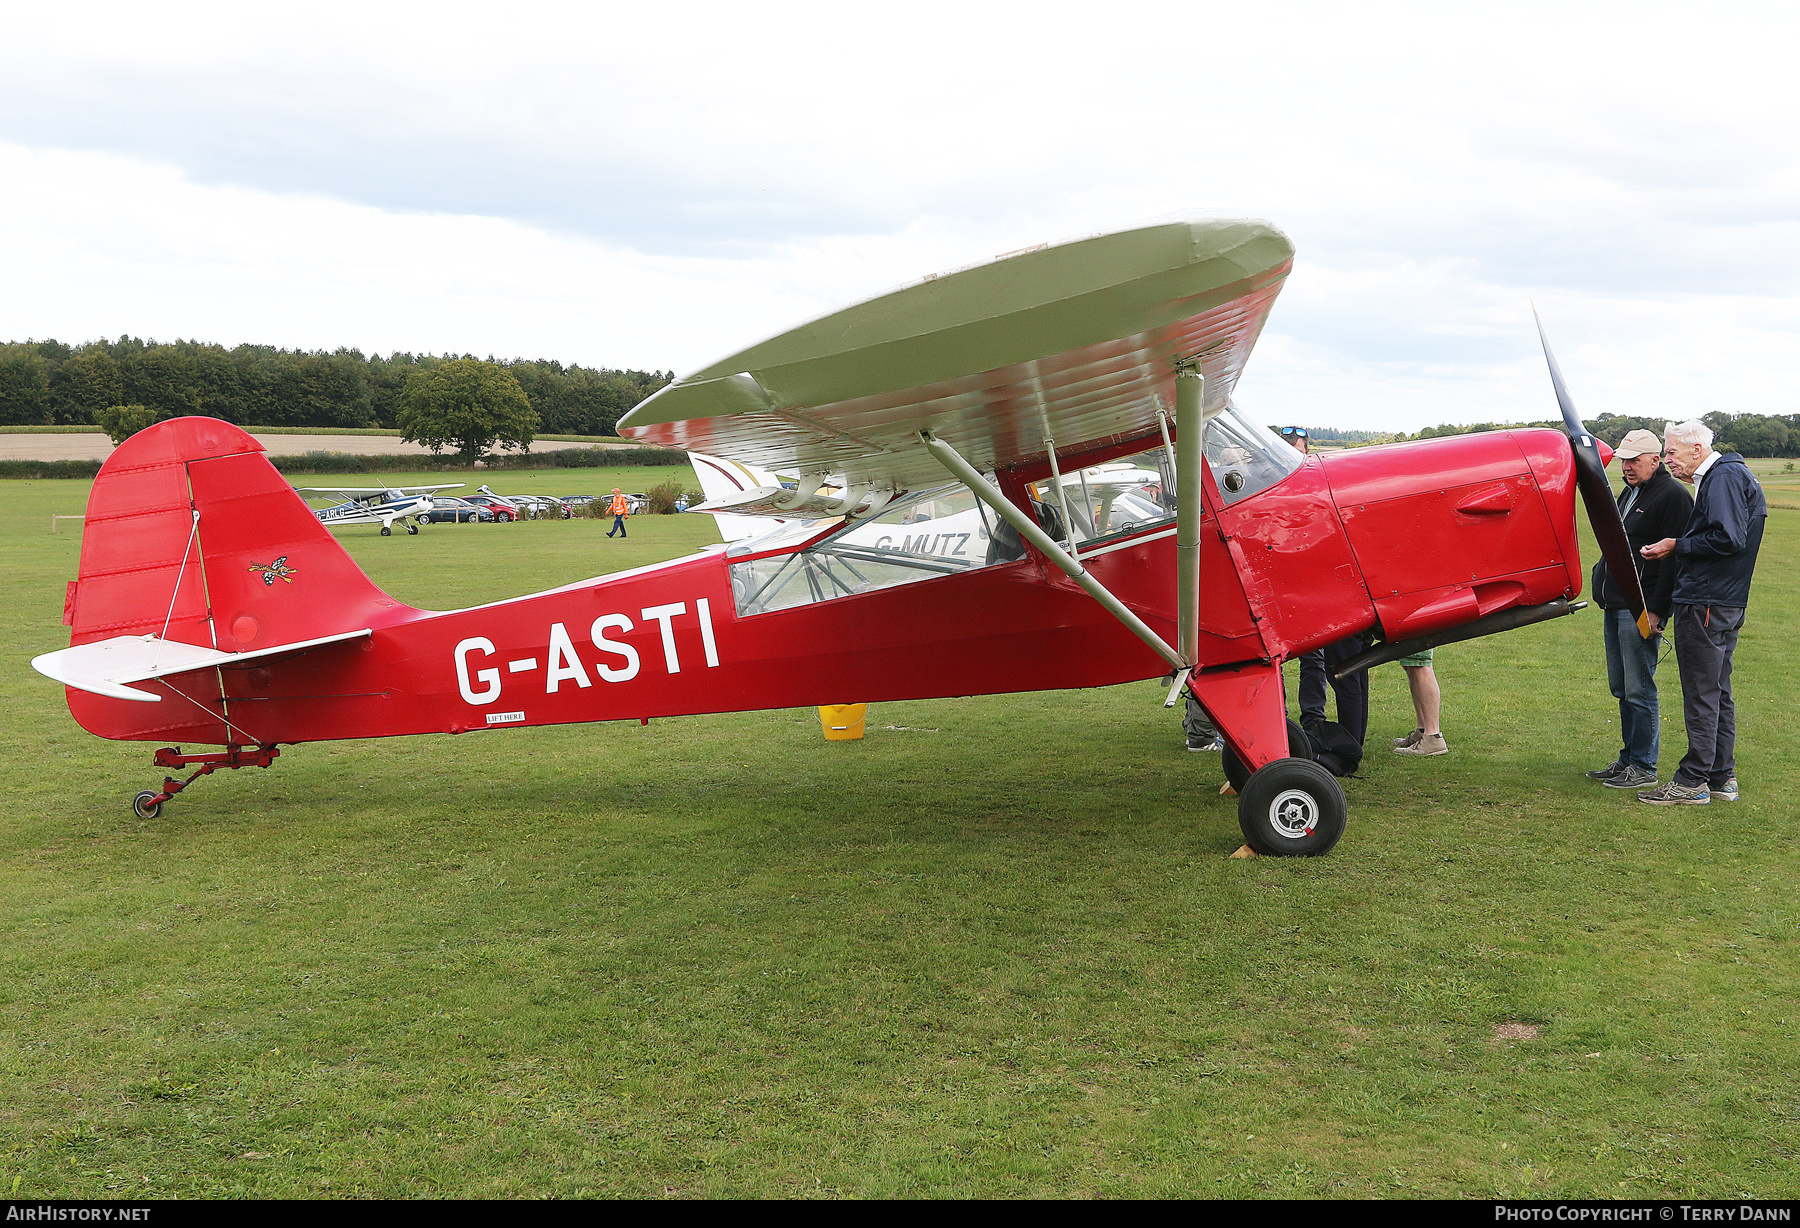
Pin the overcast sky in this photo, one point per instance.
(653, 186)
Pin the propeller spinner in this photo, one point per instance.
(1597, 494)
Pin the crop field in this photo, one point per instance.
(996, 949)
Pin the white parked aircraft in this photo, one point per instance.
(382, 505)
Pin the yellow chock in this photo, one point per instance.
(843, 722)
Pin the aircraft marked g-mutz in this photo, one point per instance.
(1023, 475)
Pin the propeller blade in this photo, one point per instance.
(1597, 494)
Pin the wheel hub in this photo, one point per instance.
(1293, 814)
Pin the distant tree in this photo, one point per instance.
(466, 404)
(124, 421)
(24, 387)
(1754, 435)
(165, 379)
(87, 383)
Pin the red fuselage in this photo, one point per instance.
(1411, 538)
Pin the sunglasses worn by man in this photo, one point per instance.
(1294, 430)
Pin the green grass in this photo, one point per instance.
(998, 952)
(296, 430)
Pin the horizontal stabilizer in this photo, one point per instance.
(763, 501)
(105, 666)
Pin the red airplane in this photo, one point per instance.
(944, 538)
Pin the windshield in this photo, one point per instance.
(1246, 457)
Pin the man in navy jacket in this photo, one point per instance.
(1714, 559)
(1653, 506)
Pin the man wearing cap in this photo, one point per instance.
(618, 509)
(1317, 666)
(1653, 506)
(1714, 556)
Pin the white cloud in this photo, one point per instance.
(654, 185)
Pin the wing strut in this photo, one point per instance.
(1190, 428)
(1003, 507)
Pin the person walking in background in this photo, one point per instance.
(1427, 737)
(1714, 558)
(618, 509)
(1652, 506)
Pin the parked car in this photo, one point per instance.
(502, 511)
(540, 506)
(456, 511)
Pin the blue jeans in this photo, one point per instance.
(1631, 673)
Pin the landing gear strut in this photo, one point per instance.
(148, 805)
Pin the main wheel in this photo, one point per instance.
(1299, 746)
(1292, 808)
(412, 530)
(144, 807)
(386, 532)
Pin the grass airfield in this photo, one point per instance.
(996, 949)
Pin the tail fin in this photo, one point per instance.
(722, 479)
(192, 536)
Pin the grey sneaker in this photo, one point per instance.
(1676, 794)
(1607, 773)
(1217, 744)
(1428, 744)
(1631, 776)
(1727, 792)
(1410, 738)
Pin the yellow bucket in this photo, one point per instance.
(843, 722)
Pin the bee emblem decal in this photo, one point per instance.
(278, 568)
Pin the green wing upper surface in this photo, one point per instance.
(1084, 334)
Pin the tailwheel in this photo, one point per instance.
(145, 805)
(1292, 808)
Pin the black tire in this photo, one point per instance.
(412, 530)
(144, 808)
(501, 518)
(386, 532)
(1299, 746)
(1292, 808)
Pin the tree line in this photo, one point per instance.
(1750, 434)
(50, 383)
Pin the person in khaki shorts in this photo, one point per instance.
(1426, 738)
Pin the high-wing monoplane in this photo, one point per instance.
(382, 505)
(211, 607)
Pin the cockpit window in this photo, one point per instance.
(1120, 496)
(937, 532)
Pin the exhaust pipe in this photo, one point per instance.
(1503, 620)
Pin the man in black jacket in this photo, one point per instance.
(1715, 556)
(1653, 506)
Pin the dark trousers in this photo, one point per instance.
(1196, 723)
(1631, 674)
(1352, 692)
(618, 527)
(1705, 638)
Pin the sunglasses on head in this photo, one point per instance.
(1294, 430)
